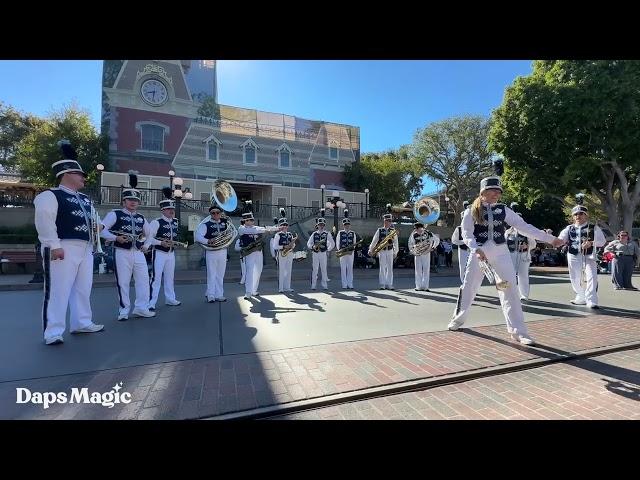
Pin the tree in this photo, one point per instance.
(391, 176)
(14, 126)
(455, 153)
(570, 126)
(38, 150)
(209, 107)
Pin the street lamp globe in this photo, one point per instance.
(323, 186)
(178, 181)
(177, 193)
(341, 204)
(188, 195)
(172, 173)
(366, 190)
(100, 167)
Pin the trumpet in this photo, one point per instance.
(492, 276)
(173, 243)
(131, 236)
(95, 232)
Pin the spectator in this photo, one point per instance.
(626, 255)
(448, 252)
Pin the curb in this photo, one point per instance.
(414, 385)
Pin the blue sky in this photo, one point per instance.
(388, 99)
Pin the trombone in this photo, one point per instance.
(173, 243)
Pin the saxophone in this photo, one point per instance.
(288, 248)
(255, 246)
(382, 244)
(348, 249)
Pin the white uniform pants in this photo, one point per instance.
(131, 262)
(253, 265)
(319, 262)
(422, 265)
(163, 263)
(463, 256)
(216, 267)
(67, 283)
(385, 275)
(243, 268)
(590, 292)
(499, 258)
(285, 265)
(521, 266)
(346, 270)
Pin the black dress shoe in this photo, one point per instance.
(595, 307)
(152, 309)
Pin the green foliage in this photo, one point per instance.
(570, 126)
(209, 107)
(391, 176)
(14, 126)
(455, 153)
(38, 149)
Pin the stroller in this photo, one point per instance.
(603, 261)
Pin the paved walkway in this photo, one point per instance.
(320, 375)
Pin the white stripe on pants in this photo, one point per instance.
(422, 265)
(346, 270)
(385, 275)
(68, 283)
(590, 293)
(131, 262)
(463, 257)
(216, 268)
(499, 258)
(522, 271)
(319, 262)
(285, 265)
(254, 270)
(163, 263)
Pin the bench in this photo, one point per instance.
(21, 257)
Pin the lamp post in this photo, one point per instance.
(334, 202)
(322, 187)
(172, 174)
(446, 215)
(366, 203)
(177, 194)
(100, 168)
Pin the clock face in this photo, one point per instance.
(154, 92)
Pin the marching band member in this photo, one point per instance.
(251, 236)
(164, 231)
(463, 250)
(283, 239)
(130, 227)
(64, 221)
(320, 243)
(520, 247)
(206, 234)
(385, 256)
(483, 228)
(581, 237)
(422, 258)
(242, 265)
(346, 238)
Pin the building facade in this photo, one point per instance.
(163, 115)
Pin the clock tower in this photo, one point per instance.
(147, 107)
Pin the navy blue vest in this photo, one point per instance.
(382, 233)
(167, 231)
(577, 235)
(318, 237)
(215, 228)
(285, 238)
(513, 238)
(248, 238)
(125, 222)
(346, 239)
(71, 222)
(463, 246)
(481, 231)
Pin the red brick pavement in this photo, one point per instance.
(605, 387)
(217, 385)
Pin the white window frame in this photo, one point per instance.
(249, 143)
(279, 150)
(334, 144)
(165, 133)
(207, 141)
